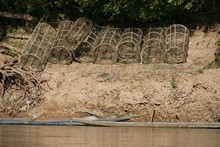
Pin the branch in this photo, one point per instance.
(18, 36)
(2, 91)
(16, 16)
(5, 45)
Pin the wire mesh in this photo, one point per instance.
(78, 32)
(153, 46)
(84, 53)
(105, 46)
(177, 41)
(81, 41)
(70, 36)
(37, 49)
(60, 51)
(128, 50)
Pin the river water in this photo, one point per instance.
(81, 136)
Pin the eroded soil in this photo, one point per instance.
(187, 92)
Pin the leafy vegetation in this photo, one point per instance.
(217, 54)
(174, 82)
(119, 12)
(10, 53)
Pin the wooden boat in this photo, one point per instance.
(152, 124)
(117, 122)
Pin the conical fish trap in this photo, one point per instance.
(84, 53)
(129, 47)
(37, 49)
(177, 42)
(78, 32)
(60, 52)
(69, 37)
(105, 48)
(153, 46)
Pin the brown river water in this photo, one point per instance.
(81, 136)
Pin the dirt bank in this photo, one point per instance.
(187, 92)
(184, 93)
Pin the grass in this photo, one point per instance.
(174, 82)
(10, 53)
(200, 70)
(217, 53)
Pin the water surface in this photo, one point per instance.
(78, 136)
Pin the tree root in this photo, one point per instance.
(19, 90)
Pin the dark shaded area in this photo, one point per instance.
(3, 29)
(119, 13)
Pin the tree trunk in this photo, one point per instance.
(16, 16)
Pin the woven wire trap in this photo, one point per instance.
(177, 44)
(153, 46)
(78, 40)
(60, 49)
(128, 49)
(69, 37)
(37, 49)
(78, 32)
(105, 46)
(84, 53)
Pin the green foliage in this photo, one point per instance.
(217, 54)
(174, 82)
(116, 11)
(218, 43)
(200, 71)
(10, 53)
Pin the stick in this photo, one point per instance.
(5, 45)
(2, 91)
(152, 117)
(209, 42)
(18, 36)
(150, 124)
(16, 16)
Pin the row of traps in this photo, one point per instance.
(82, 41)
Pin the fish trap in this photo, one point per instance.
(79, 31)
(105, 46)
(84, 53)
(128, 50)
(60, 52)
(153, 46)
(69, 37)
(177, 44)
(37, 49)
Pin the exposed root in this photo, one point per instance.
(19, 90)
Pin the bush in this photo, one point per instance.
(217, 54)
(118, 12)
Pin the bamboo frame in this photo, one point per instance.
(177, 41)
(128, 50)
(37, 49)
(153, 46)
(105, 46)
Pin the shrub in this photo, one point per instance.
(217, 53)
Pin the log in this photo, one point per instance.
(5, 45)
(1, 91)
(151, 124)
(16, 16)
(18, 36)
(23, 88)
(152, 117)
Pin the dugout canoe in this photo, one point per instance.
(152, 124)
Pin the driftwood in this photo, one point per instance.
(150, 124)
(16, 16)
(5, 45)
(152, 117)
(19, 90)
(18, 36)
